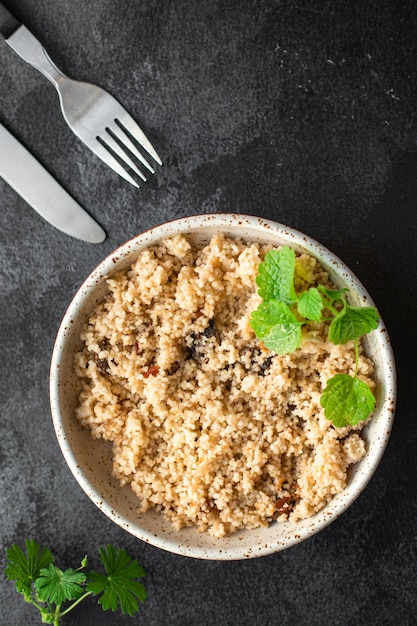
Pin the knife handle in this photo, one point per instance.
(8, 22)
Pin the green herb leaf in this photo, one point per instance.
(347, 400)
(119, 586)
(25, 568)
(276, 276)
(54, 585)
(47, 587)
(276, 326)
(352, 322)
(332, 294)
(310, 305)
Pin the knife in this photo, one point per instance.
(34, 183)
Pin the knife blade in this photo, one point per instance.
(36, 185)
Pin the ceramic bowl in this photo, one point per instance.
(90, 460)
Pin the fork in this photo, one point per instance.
(92, 114)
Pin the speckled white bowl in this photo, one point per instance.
(90, 460)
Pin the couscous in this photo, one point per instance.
(208, 427)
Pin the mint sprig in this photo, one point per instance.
(278, 323)
(55, 592)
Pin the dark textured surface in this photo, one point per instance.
(304, 112)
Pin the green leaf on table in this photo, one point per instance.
(55, 586)
(352, 322)
(277, 327)
(310, 305)
(119, 586)
(275, 277)
(347, 400)
(24, 568)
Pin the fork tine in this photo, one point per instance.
(103, 153)
(122, 154)
(137, 133)
(115, 130)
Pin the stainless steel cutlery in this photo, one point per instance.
(34, 183)
(93, 114)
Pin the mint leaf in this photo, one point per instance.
(275, 277)
(119, 586)
(347, 400)
(352, 322)
(25, 568)
(332, 294)
(276, 326)
(54, 585)
(310, 305)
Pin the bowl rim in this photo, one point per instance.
(184, 225)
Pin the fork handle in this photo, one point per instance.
(25, 44)
(31, 50)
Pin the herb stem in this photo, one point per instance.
(328, 305)
(356, 358)
(33, 601)
(74, 604)
(57, 615)
(328, 302)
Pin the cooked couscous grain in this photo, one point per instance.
(208, 426)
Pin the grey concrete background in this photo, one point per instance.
(300, 111)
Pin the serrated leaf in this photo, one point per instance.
(25, 568)
(333, 294)
(119, 586)
(310, 305)
(347, 400)
(352, 322)
(275, 277)
(277, 327)
(55, 586)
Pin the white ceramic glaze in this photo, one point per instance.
(90, 460)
